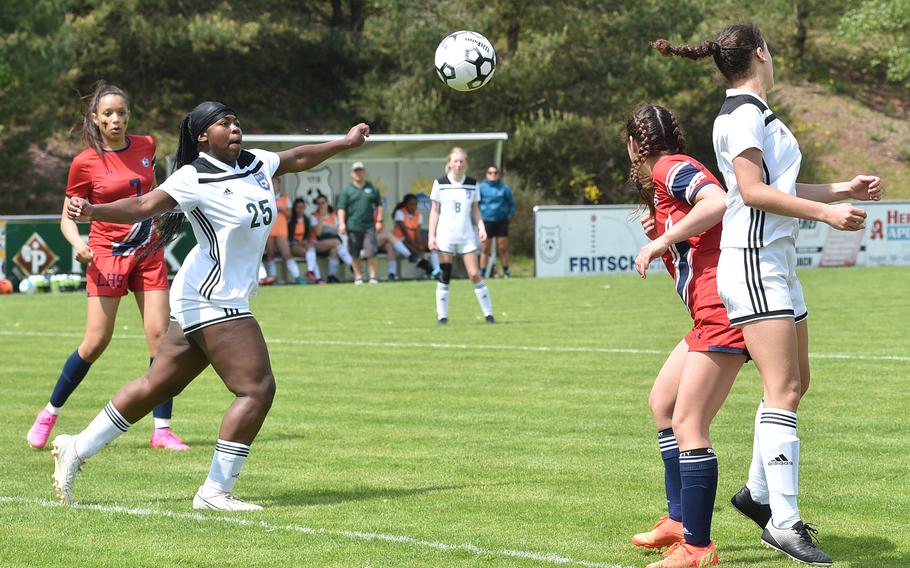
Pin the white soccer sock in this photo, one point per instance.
(344, 254)
(401, 249)
(226, 465)
(271, 269)
(442, 300)
(292, 267)
(311, 264)
(55, 410)
(483, 298)
(393, 267)
(333, 265)
(757, 484)
(434, 260)
(780, 457)
(103, 430)
(162, 423)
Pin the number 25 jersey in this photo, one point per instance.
(232, 210)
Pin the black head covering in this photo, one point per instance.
(196, 122)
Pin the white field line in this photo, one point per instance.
(457, 346)
(548, 558)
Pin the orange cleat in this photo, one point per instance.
(683, 555)
(665, 532)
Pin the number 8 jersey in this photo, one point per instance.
(456, 199)
(231, 210)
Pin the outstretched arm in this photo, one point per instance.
(309, 155)
(126, 211)
(862, 188)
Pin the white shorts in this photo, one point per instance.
(456, 248)
(193, 314)
(760, 283)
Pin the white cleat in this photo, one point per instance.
(221, 501)
(67, 464)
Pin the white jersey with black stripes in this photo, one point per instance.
(744, 122)
(456, 199)
(231, 210)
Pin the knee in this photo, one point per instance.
(93, 346)
(804, 376)
(264, 390)
(661, 407)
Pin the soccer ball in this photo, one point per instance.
(27, 286)
(465, 61)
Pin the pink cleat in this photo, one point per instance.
(41, 430)
(165, 439)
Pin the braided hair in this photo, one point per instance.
(656, 131)
(91, 134)
(195, 123)
(731, 48)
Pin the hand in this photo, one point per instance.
(357, 135)
(79, 209)
(845, 217)
(85, 254)
(866, 188)
(379, 225)
(649, 225)
(431, 242)
(342, 228)
(649, 252)
(482, 233)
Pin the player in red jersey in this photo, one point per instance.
(685, 205)
(115, 165)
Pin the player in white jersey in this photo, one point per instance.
(756, 273)
(227, 195)
(454, 213)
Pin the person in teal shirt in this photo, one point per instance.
(497, 206)
(360, 217)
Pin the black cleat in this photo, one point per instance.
(333, 279)
(490, 319)
(797, 542)
(747, 506)
(443, 321)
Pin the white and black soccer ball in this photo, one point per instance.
(465, 61)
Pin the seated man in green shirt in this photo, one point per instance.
(360, 217)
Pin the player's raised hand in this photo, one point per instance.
(648, 253)
(649, 225)
(357, 135)
(79, 209)
(866, 188)
(845, 217)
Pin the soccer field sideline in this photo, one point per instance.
(464, 346)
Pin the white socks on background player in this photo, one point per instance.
(311, 263)
(442, 300)
(401, 249)
(344, 254)
(483, 298)
(434, 260)
(774, 472)
(292, 267)
(393, 267)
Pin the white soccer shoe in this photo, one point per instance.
(221, 501)
(67, 464)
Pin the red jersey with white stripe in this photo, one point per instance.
(692, 263)
(129, 172)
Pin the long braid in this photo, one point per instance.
(677, 134)
(644, 186)
(655, 131)
(731, 49)
(169, 224)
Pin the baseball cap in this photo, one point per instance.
(357, 166)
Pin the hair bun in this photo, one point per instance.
(663, 46)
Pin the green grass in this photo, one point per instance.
(470, 441)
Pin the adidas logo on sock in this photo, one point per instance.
(228, 192)
(780, 460)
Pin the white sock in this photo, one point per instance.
(393, 267)
(442, 300)
(226, 465)
(162, 423)
(434, 260)
(333, 265)
(55, 410)
(401, 249)
(271, 269)
(344, 254)
(262, 272)
(757, 484)
(483, 298)
(780, 455)
(103, 430)
(292, 267)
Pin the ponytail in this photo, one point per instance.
(731, 49)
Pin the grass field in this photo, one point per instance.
(393, 442)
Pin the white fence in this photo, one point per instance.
(575, 240)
